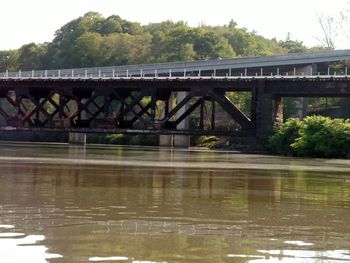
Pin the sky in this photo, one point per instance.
(24, 21)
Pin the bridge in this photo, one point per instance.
(159, 98)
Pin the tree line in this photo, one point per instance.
(93, 40)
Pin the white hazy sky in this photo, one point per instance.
(24, 21)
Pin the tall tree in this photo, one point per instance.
(330, 30)
(9, 60)
(32, 56)
(86, 50)
(293, 46)
(209, 44)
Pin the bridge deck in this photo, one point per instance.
(234, 65)
(288, 85)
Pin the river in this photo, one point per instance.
(61, 203)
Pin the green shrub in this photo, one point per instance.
(147, 140)
(117, 139)
(96, 138)
(207, 141)
(322, 136)
(282, 139)
(315, 136)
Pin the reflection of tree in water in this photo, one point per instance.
(333, 190)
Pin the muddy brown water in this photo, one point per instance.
(61, 203)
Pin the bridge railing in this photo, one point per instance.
(147, 72)
(278, 65)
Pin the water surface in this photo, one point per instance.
(61, 203)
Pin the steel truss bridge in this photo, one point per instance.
(159, 98)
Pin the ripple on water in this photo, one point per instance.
(302, 256)
(298, 243)
(116, 258)
(6, 226)
(11, 234)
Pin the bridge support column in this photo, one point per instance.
(300, 104)
(166, 140)
(77, 138)
(182, 140)
(269, 112)
(73, 137)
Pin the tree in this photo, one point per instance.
(9, 60)
(32, 56)
(178, 44)
(86, 50)
(345, 22)
(335, 28)
(113, 24)
(92, 40)
(210, 44)
(63, 46)
(241, 42)
(293, 46)
(330, 28)
(122, 49)
(169, 39)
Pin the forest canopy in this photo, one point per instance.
(93, 40)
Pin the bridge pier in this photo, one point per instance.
(182, 140)
(300, 103)
(166, 140)
(269, 106)
(77, 138)
(176, 140)
(73, 137)
(269, 112)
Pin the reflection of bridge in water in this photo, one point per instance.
(159, 98)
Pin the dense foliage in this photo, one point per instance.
(92, 40)
(282, 139)
(314, 136)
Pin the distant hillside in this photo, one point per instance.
(92, 40)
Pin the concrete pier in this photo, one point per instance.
(77, 138)
(300, 103)
(166, 140)
(269, 112)
(182, 140)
